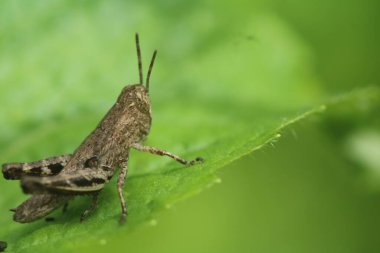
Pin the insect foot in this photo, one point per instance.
(123, 218)
(196, 161)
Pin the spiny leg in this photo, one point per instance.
(94, 205)
(120, 186)
(160, 152)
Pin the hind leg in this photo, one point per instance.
(47, 167)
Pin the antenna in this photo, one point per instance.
(139, 58)
(150, 69)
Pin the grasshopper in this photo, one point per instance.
(54, 181)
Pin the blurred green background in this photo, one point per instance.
(62, 63)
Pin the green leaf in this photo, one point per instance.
(220, 95)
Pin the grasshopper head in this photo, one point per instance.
(138, 95)
(142, 88)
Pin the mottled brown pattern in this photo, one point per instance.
(38, 206)
(94, 162)
(52, 165)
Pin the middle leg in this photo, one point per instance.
(94, 205)
(120, 186)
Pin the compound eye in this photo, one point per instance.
(139, 99)
(92, 162)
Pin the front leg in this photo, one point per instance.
(120, 186)
(160, 152)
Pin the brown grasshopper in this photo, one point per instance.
(53, 182)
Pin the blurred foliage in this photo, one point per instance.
(344, 36)
(228, 79)
(299, 196)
